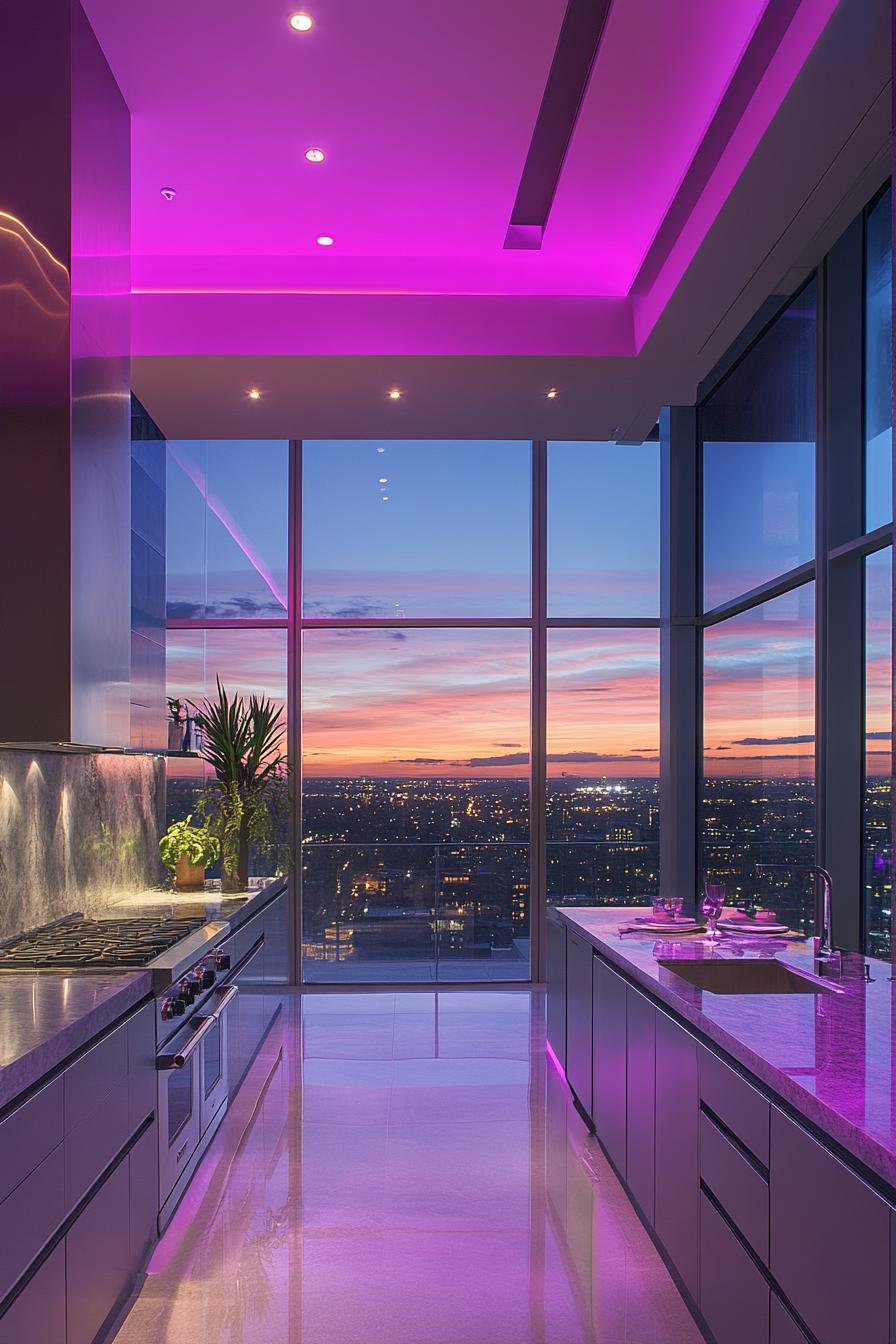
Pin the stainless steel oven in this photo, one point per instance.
(193, 1085)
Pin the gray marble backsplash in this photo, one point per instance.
(76, 831)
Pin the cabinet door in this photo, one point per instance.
(98, 1270)
(677, 1174)
(734, 1296)
(38, 1313)
(784, 1328)
(143, 1180)
(555, 966)
(609, 1061)
(829, 1239)
(579, 956)
(640, 1110)
(276, 941)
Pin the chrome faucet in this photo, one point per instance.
(824, 947)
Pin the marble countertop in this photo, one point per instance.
(212, 904)
(831, 1056)
(46, 1016)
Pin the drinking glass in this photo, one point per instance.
(713, 904)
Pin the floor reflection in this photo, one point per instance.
(406, 1169)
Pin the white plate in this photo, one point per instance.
(668, 926)
(752, 926)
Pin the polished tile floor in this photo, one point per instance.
(406, 1168)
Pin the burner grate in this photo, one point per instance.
(96, 942)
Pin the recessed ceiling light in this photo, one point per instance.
(552, 393)
(395, 394)
(254, 394)
(301, 22)
(385, 499)
(324, 240)
(315, 155)
(169, 193)
(384, 480)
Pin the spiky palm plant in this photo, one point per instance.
(241, 742)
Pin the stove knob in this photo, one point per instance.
(188, 990)
(222, 961)
(208, 979)
(173, 1008)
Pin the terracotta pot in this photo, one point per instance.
(189, 876)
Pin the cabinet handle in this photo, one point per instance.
(178, 1058)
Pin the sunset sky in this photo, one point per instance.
(404, 529)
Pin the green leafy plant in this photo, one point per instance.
(183, 840)
(241, 742)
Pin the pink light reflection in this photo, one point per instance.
(194, 474)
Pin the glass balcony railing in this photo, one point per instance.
(603, 872)
(411, 912)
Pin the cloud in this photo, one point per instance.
(774, 741)
(879, 737)
(419, 760)
(557, 758)
(507, 744)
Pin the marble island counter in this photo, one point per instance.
(47, 1016)
(830, 1055)
(212, 903)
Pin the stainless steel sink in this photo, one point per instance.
(764, 975)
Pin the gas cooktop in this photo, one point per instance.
(77, 941)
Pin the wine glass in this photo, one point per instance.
(713, 904)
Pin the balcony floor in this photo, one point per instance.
(406, 1168)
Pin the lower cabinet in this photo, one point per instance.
(98, 1261)
(640, 1108)
(38, 1313)
(555, 966)
(677, 1176)
(579, 956)
(734, 1295)
(829, 1239)
(609, 996)
(784, 1329)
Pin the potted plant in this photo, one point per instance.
(241, 742)
(188, 850)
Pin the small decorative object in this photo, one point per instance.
(188, 850)
(177, 720)
(713, 904)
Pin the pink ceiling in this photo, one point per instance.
(426, 112)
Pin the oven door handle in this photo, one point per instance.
(227, 999)
(178, 1058)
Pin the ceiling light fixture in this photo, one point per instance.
(395, 394)
(552, 394)
(254, 394)
(301, 22)
(324, 240)
(315, 155)
(169, 193)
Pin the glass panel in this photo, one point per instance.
(416, 528)
(603, 766)
(180, 1098)
(758, 431)
(603, 529)
(878, 816)
(879, 365)
(211, 1059)
(248, 662)
(415, 803)
(228, 529)
(759, 752)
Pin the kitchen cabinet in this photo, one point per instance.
(784, 1329)
(640, 1090)
(737, 1185)
(38, 1313)
(97, 1254)
(276, 940)
(734, 1295)
(608, 1087)
(677, 1174)
(579, 957)
(829, 1239)
(555, 967)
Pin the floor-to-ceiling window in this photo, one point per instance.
(758, 544)
(877, 811)
(227, 602)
